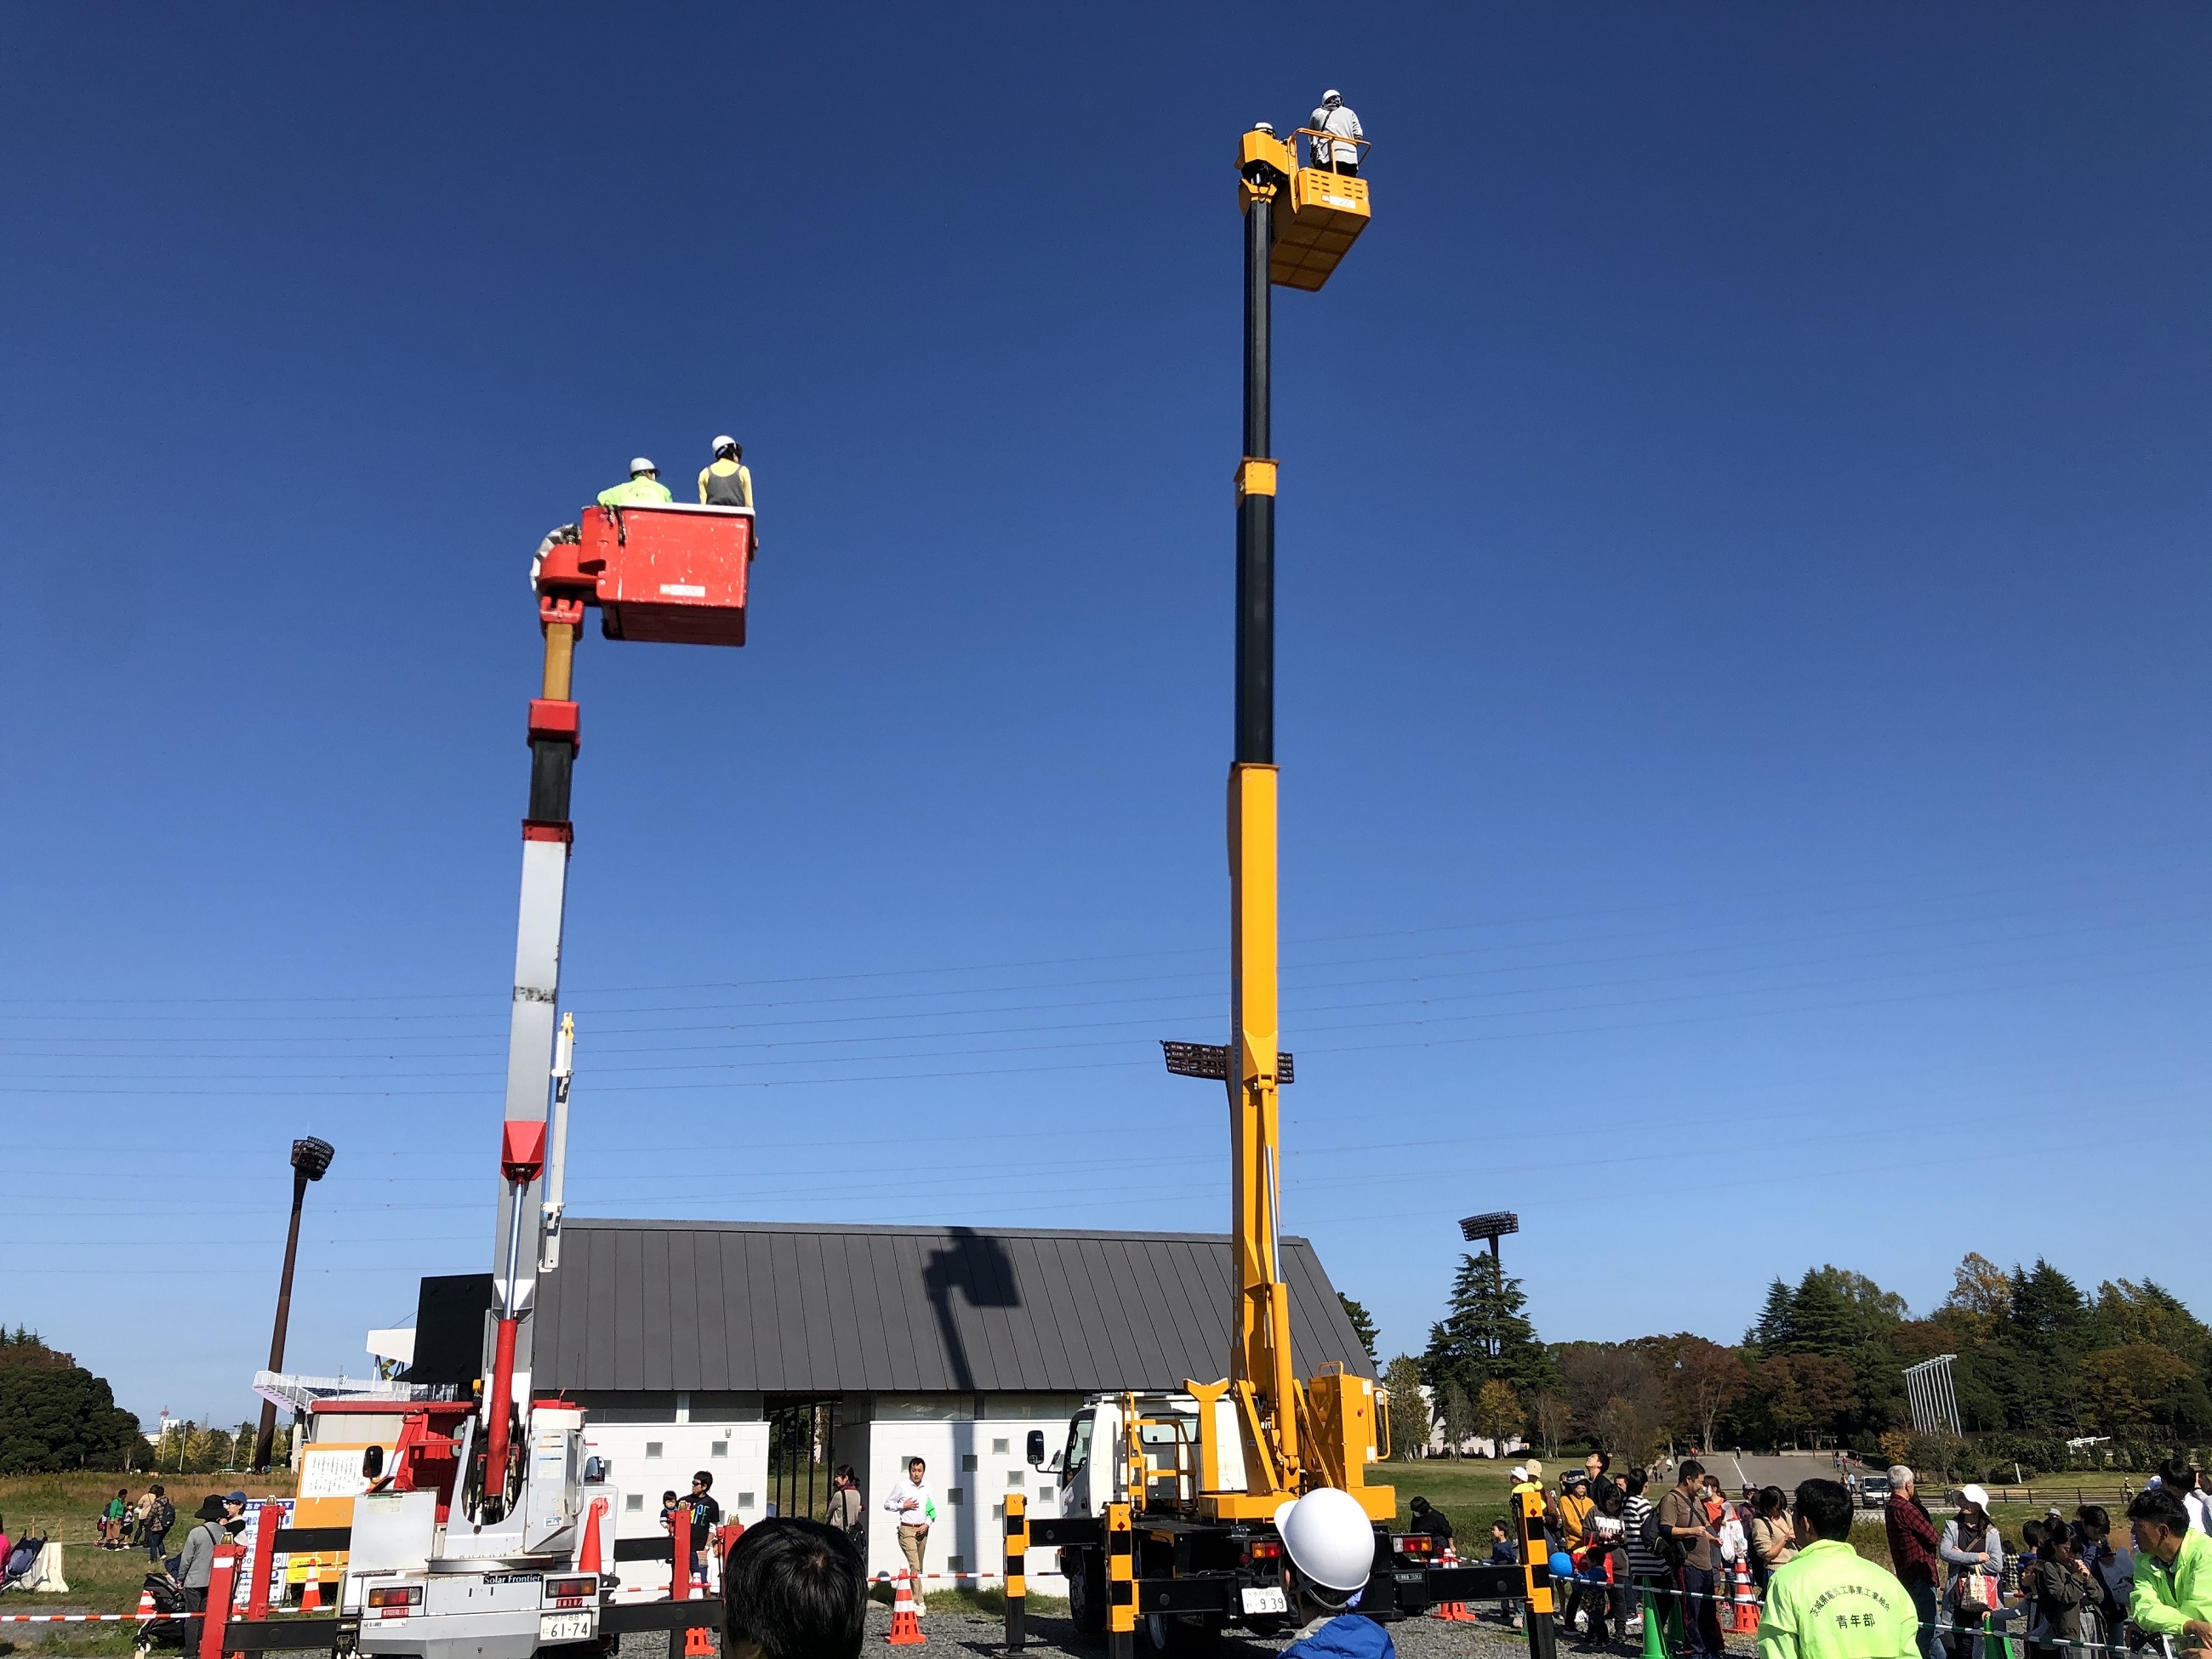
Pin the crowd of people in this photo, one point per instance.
(1622, 1553)
(143, 1523)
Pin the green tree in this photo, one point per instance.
(1455, 1411)
(54, 1417)
(1485, 1333)
(1771, 1333)
(1498, 1414)
(2126, 1313)
(1409, 1413)
(1363, 1323)
(2121, 1389)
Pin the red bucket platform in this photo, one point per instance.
(673, 573)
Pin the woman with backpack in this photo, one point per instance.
(198, 1564)
(1773, 1535)
(161, 1516)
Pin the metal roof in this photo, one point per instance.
(781, 1309)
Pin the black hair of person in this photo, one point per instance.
(2161, 1505)
(797, 1589)
(1827, 1507)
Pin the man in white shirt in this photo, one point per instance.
(911, 1502)
(1335, 117)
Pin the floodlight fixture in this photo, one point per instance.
(1489, 1229)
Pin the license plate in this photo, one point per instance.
(1265, 1601)
(564, 1626)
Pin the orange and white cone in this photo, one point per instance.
(1746, 1602)
(906, 1629)
(311, 1594)
(1453, 1613)
(146, 1607)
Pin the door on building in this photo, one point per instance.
(801, 1432)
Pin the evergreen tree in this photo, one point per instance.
(1822, 1319)
(1484, 1334)
(1363, 1323)
(1771, 1333)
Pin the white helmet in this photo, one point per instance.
(726, 442)
(1329, 1538)
(1332, 96)
(638, 464)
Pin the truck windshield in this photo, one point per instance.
(1078, 1444)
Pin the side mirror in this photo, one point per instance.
(1036, 1449)
(595, 1471)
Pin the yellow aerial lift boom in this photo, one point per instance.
(1167, 1501)
(1321, 1432)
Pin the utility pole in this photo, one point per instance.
(311, 1159)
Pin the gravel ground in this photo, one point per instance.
(1053, 1638)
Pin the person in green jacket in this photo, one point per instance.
(2174, 1570)
(1827, 1601)
(643, 490)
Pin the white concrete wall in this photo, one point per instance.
(973, 1464)
(650, 1458)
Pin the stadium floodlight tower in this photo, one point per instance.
(1489, 1229)
(311, 1160)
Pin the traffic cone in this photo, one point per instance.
(1454, 1612)
(311, 1594)
(146, 1608)
(1655, 1640)
(906, 1629)
(1746, 1602)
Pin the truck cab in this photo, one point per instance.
(1098, 1464)
(428, 1582)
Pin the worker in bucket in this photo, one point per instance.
(643, 490)
(1335, 117)
(724, 481)
(1328, 1550)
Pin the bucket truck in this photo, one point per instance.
(1166, 1519)
(491, 1535)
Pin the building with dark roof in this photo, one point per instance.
(695, 1344)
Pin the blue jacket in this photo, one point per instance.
(1350, 1636)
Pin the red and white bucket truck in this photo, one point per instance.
(492, 1534)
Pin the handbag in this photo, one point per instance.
(1973, 1600)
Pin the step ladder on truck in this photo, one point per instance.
(490, 1534)
(1167, 1499)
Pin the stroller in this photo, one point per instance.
(166, 1629)
(22, 1561)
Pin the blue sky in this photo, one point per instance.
(1742, 604)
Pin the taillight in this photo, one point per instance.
(561, 1589)
(396, 1596)
(1261, 1549)
(1416, 1543)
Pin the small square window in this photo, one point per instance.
(969, 1461)
(955, 1495)
(717, 1448)
(745, 1500)
(632, 1502)
(1013, 1479)
(998, 1448)
(653, 1448)
(956, 1563)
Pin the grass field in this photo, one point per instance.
(64, 1507)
